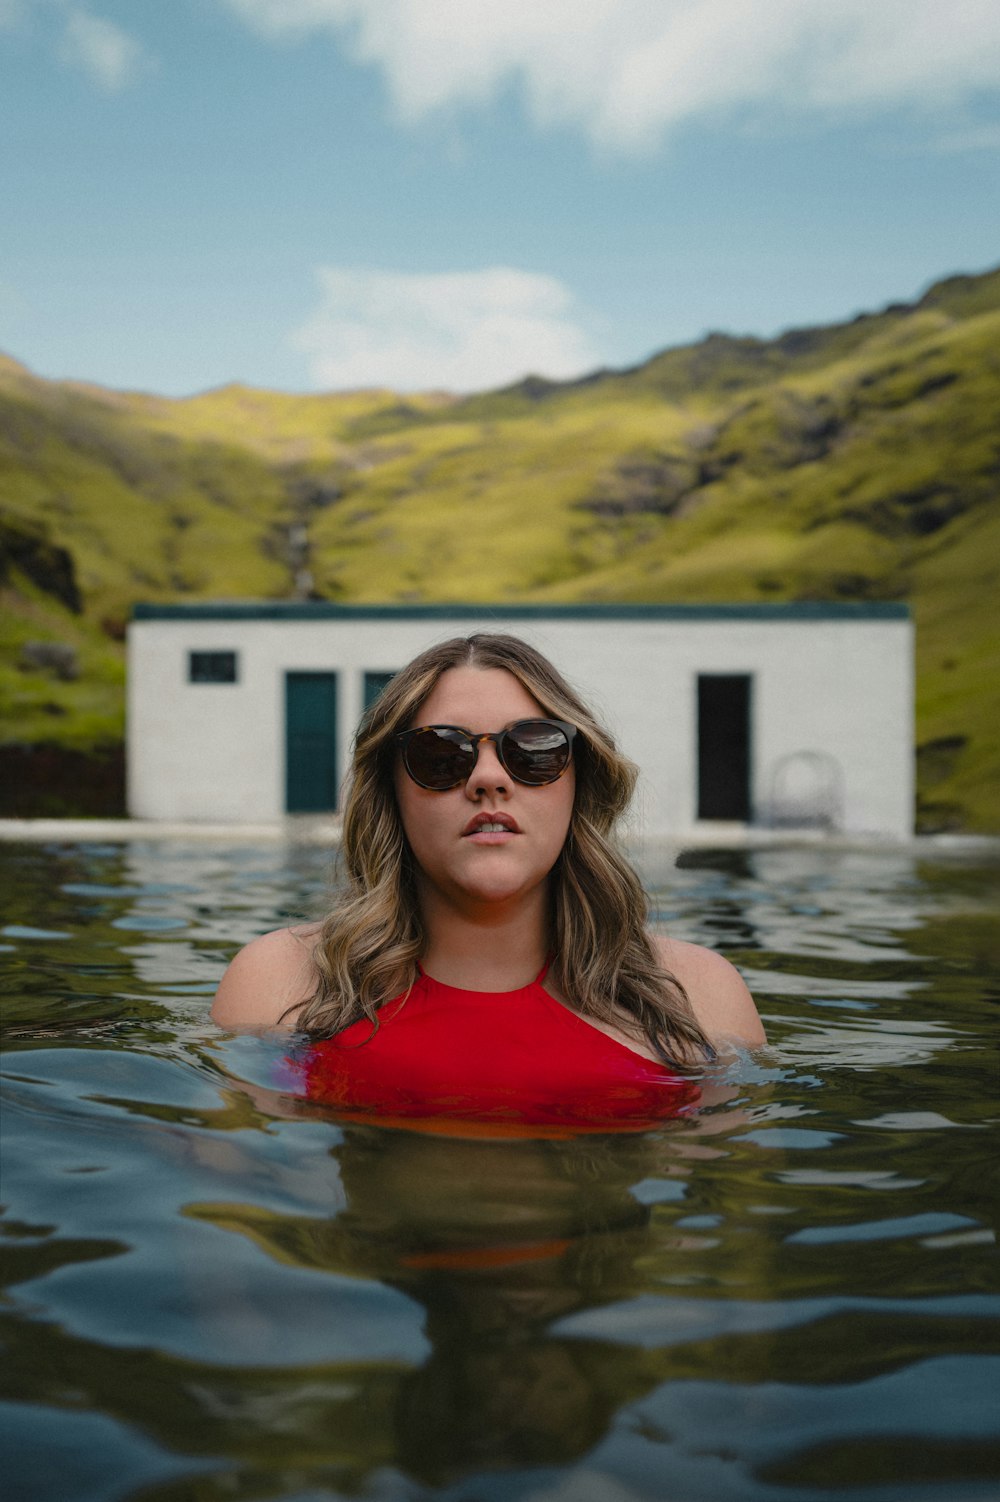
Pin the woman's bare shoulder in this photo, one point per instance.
(716, 989)
(265, 978)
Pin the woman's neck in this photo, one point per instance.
(490, 951)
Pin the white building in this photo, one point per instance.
(773, 715)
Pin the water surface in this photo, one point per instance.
(213, 1291)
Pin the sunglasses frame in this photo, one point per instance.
(404, 737)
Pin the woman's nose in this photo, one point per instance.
(489, 774)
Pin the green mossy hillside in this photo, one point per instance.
(858, 461)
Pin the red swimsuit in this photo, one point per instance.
(510, 1061)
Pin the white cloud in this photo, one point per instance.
(103, 50)
(454, 331)
(627, 71)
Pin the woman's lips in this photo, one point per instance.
(487, 828)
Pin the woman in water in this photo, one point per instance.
(488, 956)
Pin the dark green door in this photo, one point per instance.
(374, 683)
(310, 742)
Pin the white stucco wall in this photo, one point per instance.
(839, 686)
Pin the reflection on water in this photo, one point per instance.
(217, 1290)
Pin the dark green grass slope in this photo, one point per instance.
(860, 461)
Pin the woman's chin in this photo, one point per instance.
(496, 882)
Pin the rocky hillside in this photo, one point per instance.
(858, 461)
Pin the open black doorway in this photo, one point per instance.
(724, 746)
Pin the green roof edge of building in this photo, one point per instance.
(314, 610)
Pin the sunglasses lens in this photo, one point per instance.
(535, 752)
(439, 758)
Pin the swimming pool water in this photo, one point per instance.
(212, 1291)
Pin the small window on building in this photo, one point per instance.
(374, 684)
(212, 667)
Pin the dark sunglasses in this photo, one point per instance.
(534, 752)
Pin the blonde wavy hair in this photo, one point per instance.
(368, 948)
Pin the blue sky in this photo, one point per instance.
(323, 194)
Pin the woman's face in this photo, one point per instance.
(459, 861)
